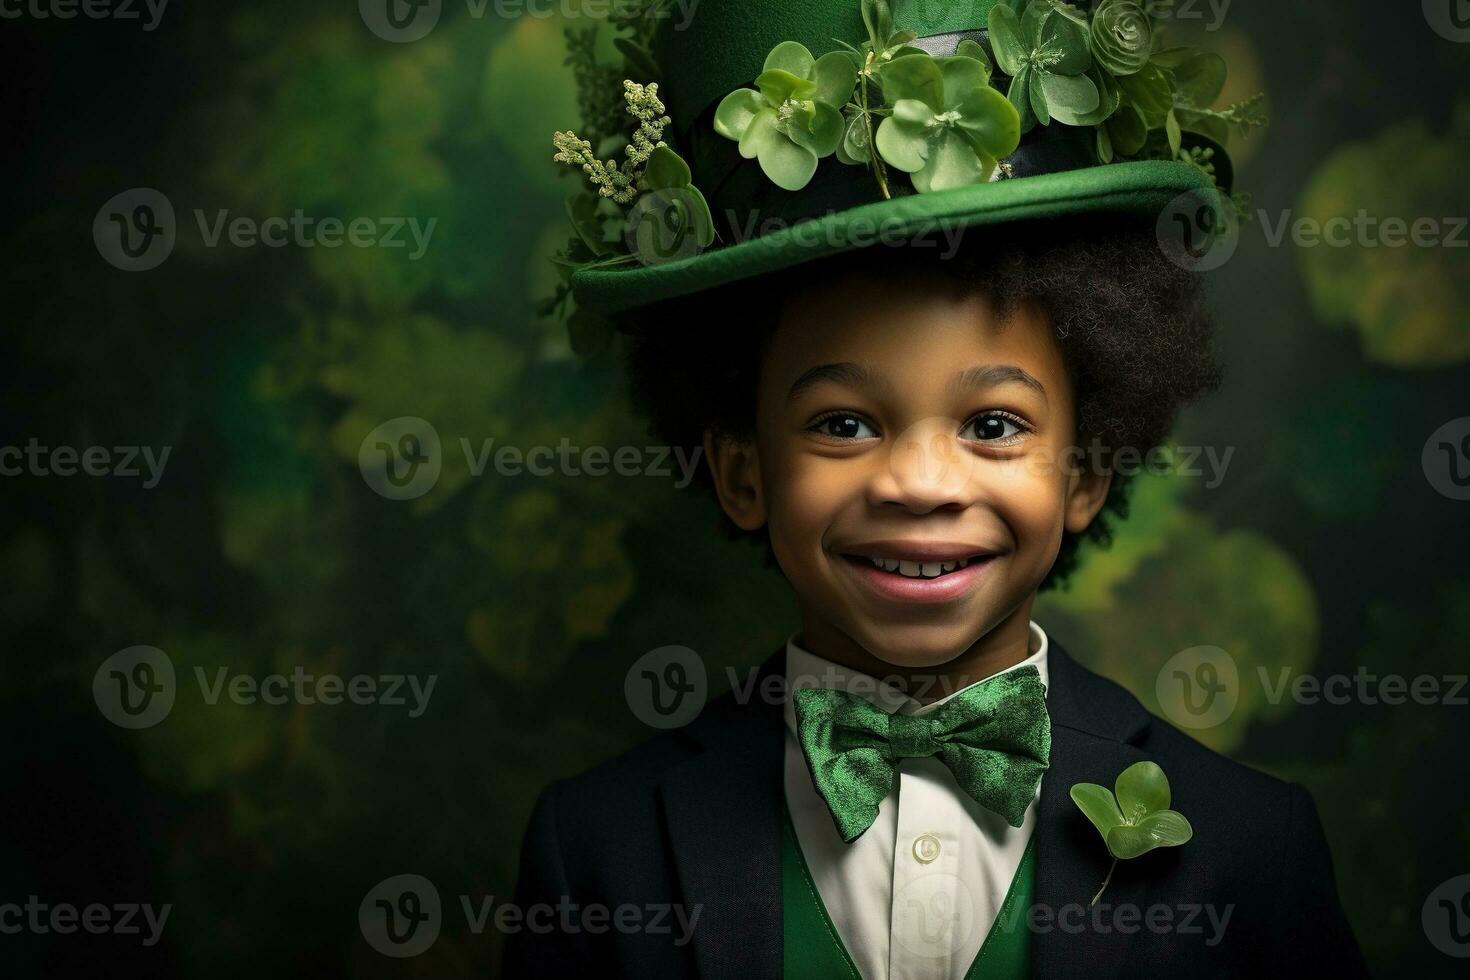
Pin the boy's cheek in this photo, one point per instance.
(806, 498)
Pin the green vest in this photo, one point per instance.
(814, 949)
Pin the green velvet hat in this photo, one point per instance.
(775, 132)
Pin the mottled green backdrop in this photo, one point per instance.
(262, 547)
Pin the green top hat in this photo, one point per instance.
(797, 129)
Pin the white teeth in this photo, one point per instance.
(918, 569)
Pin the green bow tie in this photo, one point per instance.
(995, 737)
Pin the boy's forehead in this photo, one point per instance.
(905, 332)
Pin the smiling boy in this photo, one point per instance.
(909, 544)
(916, 441)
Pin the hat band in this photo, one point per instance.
(944, 45)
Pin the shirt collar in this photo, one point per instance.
(806, 669)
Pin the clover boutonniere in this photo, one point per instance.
(1137, 820)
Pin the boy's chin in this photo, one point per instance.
(917, 647)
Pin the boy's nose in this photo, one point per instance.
(927, 468)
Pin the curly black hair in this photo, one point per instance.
(1132, 325)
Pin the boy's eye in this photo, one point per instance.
(993, 427)
(842, 425)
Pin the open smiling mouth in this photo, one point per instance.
(916, 569)
(924, 578)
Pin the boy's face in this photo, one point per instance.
(909, 461)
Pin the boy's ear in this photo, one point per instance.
(736, 469)
(1087, 491)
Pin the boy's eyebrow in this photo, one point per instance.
(990, 375)
(842, 372)
(861, 376)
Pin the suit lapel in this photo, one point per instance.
(1094, 727)
(723, 809)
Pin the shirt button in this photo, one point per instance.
(926, 848)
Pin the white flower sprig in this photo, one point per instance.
(612, 180)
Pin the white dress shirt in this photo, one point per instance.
(914, 897)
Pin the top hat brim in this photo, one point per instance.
(1148, 189)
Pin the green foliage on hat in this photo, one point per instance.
(792, 118)
(934, 119)
(645, 207)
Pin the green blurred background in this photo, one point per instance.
(262, 548)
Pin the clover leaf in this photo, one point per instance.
(948, 127)
(1135, 821)
(791, 119)
(1045, 51)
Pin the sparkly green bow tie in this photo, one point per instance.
(995, 737)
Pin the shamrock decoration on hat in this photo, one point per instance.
(988, 112)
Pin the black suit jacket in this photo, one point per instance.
(692, 819)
